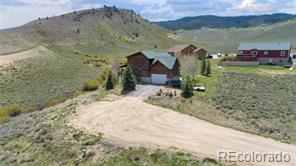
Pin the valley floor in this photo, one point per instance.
(130, 121)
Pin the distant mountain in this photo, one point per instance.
(210, 21)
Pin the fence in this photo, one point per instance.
(238, 63)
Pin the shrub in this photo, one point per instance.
(90, 85)
(210, 160)
(29, 109)
(129, 80)
(13, 110)
(187, 89)
(109, 83)
(208, 68)
(203, 67)
(125, 38)
(229, 58)
(4, 117)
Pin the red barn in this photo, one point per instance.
(267, 53)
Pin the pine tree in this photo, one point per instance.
(187, 89)
(129, 80)
(203, 67)
(208, 68)
(109, 83)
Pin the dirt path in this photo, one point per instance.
(132, 122)
(12, 58)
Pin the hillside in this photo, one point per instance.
(210, 21)
(105, 30)
(69, 50)
(227, 40)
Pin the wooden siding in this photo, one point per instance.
(271, 53)
(201, 54)
(139, 64)
(188, 50)
(159, 68)
(273, 56)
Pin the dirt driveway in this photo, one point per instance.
(132, 122)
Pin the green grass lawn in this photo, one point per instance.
(252, 69)
(244, 99)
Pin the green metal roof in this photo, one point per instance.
(165, 58)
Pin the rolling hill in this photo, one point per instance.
(105, 30)
(210, 21)
(68, 50)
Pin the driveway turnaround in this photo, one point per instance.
(132, 122)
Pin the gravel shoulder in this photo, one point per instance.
(130, 121)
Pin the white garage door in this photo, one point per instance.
(158, 78)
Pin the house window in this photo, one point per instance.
(254, 52)
(240, 53)
(150, 61)
(283, 53)
(265, 52)
(281, 61)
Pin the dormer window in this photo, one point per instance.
(283, 53)
(150, 61)
(254, 53)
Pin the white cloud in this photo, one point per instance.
(265, 6)
(246, 4)
(147, 2)
(89, 6)
(27, 10)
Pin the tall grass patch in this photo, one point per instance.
(11, 111)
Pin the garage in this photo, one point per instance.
(158, 78)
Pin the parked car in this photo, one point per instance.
(199, 88)
(210, 56)
(174, 82)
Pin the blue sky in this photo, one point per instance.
(17, 12)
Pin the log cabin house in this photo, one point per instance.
(153, 67)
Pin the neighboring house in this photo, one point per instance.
(153, 67)
(267, 53)
(179, 50)
(182, 50)
(200, 53)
